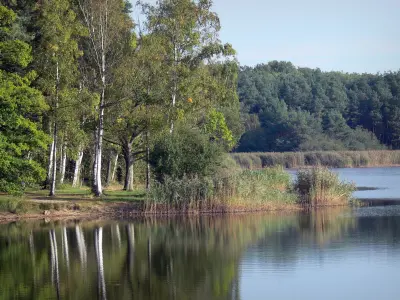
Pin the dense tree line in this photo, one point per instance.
(85, 91)
(289, 109)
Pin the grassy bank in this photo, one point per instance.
(268, 189)
(70, 201)
(334, 159)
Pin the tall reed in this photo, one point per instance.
(321, 187)
(266, 189)
(334, 159)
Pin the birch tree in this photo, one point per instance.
(109, 30)
(189, 30)
(56, 58)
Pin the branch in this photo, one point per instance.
(111, 142)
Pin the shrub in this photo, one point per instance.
(185, 152)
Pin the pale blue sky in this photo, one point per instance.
(341, 35)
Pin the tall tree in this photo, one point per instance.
(21, 108)
(109, 33)
(189, 31)
(57, 56)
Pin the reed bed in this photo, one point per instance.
(321, 187)
(267, 189)
(333, 159)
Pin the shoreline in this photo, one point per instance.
(124, 210)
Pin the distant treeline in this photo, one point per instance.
(335, 159)
(300, 109)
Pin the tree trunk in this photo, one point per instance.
(175, 89)
(148, 175)
(53, 176)
(109, 167)
(63, 163)
(50, 165)
(94, 170)
(98, 189)
(54, 172)
(128, 182)
(114, 171)
(77, 170)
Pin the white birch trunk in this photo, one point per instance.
(53, 176)
(114, 170)
(50, 165)
(54, 171)
(63, 163)
(77, 170)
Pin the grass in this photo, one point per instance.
(66, 199)
(334, 159)
(322, 187)
(266, 189)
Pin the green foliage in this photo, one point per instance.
(217, 128)
(21, 107)
(15, 53)
(185, 152)
(7, 17)
(320, 186)
(306, 109)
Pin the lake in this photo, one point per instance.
(326, 254)
(381, 183)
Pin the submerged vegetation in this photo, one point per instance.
(333, 159)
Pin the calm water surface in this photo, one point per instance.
(329, 254)
(386, 181)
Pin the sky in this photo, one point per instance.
(333, 35)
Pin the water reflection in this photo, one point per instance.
(183, 258)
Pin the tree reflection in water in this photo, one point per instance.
(181, 258)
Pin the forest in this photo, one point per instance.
(87, 95)
(285, 108)
(91, 98)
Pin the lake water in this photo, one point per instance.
(386, 182)
(325, 254)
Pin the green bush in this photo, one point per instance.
(185, 152)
